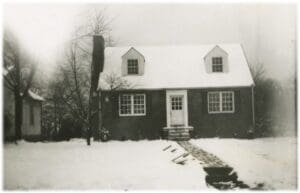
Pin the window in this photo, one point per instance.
(138, 104)
(31, 114)
(221, 102)
(176, 103)
(125, 104)
(132, 104)
(217, 64)
(132, 66)
(214, 102)
(227, 102)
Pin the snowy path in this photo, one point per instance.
(111, 165)
(271, 161)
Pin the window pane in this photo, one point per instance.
(217, 60)
(217, 64)
(132, 66)
(214, 102)
(176, 103)
(227, 101)
(139, 104)
(217, 68)
(125, 104)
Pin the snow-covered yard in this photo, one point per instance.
(111, 165)
(272, 161)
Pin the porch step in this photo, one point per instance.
(178, 133)
(179, 138)
(174, 130)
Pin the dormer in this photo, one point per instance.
(216, 61)
(133, 63)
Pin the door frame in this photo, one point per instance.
(169, 93)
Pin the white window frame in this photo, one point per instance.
(214, 64)
(137, 66)
(221, 102)
(132, 105)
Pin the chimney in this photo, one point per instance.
(96, 69)
(97, 59)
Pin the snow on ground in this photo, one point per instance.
(272, 161)
(111, 165)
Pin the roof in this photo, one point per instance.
(5, 71)
(35, 96)
(31, 94)
(169, 67)
(214, 49)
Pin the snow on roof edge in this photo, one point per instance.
(35, 96)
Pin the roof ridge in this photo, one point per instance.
(175, 45)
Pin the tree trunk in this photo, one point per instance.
(18, 115)
(18, 100)
(88, 136)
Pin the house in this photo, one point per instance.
(32, 113)
(177, 92)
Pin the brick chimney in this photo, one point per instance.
(96, 68)
(98, 59)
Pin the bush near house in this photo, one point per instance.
(274, 106)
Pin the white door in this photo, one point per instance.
(176, 110)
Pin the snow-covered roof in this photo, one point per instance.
(7, 70)
(179, 67)
(35, 96)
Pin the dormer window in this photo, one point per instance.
(217, 64)
(133, 63)
(132, 66)
(216, 61)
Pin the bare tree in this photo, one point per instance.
(20, 71)
(94, 21)
(80, 71)
(96, 24)
(75, 84)
(258, 72)
(115, 82)
(268, 94)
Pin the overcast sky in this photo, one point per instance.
(267, 32)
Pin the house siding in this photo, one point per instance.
(205, 124)
(134, 127)
(29, 129)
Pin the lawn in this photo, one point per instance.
(270, 161)
(143, 165)
(114, 165)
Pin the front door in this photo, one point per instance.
(177, 111)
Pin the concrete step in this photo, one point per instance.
(179, 138)
(175, 132)
(179, 129)
(179, 135)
